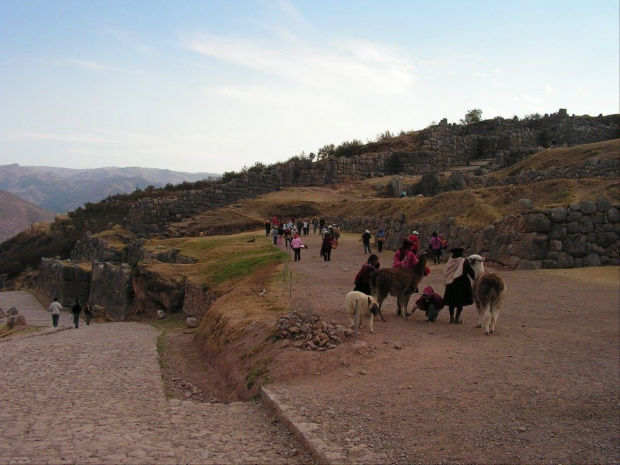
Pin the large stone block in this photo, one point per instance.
(605, 239)
(534, 246)
(566, 261)
(587, 207)
(592, 259)
(558, 215)
(575, 245)
(537, 223)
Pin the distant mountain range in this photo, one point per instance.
(17, 215)
(64, 189)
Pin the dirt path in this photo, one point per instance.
(543, 389)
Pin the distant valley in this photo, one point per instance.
(60, 190)
(17, 215)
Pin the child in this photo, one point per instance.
(366, 241)
(362, 278)
(436, 248)
(430, 302)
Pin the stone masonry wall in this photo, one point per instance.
(64, 280)
(197, 300)
(111, 289)
(441, 147)
(573, 236)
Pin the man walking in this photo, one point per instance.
(55, 309)
(75, 310)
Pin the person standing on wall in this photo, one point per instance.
(55, 308)
(75, 311)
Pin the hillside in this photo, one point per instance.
(18, 215)
(63, 189)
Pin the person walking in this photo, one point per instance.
(315, 224)
(89, 314)
(458, 293)
(55, 308)
(267, 228)
(326, 247)
(297, 245)
(380, 238)
(436, 248)
(75, 311)
(366, 241)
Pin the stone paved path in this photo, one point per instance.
(95, 395)
(30, 307)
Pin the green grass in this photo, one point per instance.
(240, 264)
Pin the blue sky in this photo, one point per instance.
(217, 85)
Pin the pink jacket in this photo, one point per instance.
(296, 243)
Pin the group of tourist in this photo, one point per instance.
(55, 308)
(457, 274)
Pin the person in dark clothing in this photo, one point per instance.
(366, 241)
(362, 278)
(89, 314)
(458, 292)
(430, 302)
(75, 311)
(326, 247)
(267, 228)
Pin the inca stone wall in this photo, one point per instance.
(578, 235)
(64, 280)
(197, 300)
(111, 289)
(91, 248)
(440, 148)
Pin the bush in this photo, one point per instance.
(472, 116)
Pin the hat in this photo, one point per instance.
(415, 233)
(457, 251)
(296, 235)
(428, 291)
(367, 231)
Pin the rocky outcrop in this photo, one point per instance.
(154, 291)
(111, 290)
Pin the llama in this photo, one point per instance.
(489, 291)
(397, 282)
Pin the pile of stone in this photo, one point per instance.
(13, 318)
(310, 332)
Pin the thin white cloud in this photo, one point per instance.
(347, 67)
(549, 90)
(90, 65)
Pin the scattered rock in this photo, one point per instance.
(310, 332)
(191, 322)
(161, 314)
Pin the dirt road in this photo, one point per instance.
(543, 389)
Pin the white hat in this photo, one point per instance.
(415, 233)
(367, 231)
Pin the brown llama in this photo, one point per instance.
(399, 283)
(489, 291)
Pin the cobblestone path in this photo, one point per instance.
(95, 395)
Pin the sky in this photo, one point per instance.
(216, 85)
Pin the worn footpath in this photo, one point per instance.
(95, 395)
